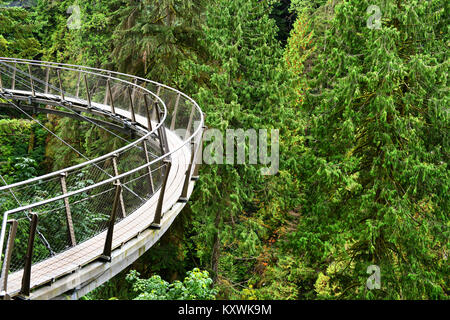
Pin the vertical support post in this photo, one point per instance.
(78, 85)
(187, 179)
(191, 117)
(147, 110)
(1, 82)
(108, 86)
(70, 230)
(7, 262)
(134, 90)
(31, 81)
(158, 91)
(105, 101)
(87, 91)
(174, 115)
(116, 173)
(47, 78)
(60, 84)
(112, 220)
(147, 159)
(13, 83)
(26, 277)
(156, 224)
(130, 95)
(195, 175)
(161, 130)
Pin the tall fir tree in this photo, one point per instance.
(376, 170)
(154, 37)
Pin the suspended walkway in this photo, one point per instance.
(65, 233)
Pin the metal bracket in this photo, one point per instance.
(104, 258)
(155, 226)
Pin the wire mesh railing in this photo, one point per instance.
(48, 215)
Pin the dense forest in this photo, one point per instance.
(359, 92)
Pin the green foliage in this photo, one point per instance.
(22, 145)
(51, 28)
(241, 83)
(21, 149)
(196, 286)
(94, 40)
(86, 138)
(16, 34)
(25, 168)
(380, 195)
(87, 43)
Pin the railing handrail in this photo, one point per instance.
(86, 163)
(108, 71)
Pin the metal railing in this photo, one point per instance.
(56, 212)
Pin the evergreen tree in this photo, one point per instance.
(376, 170)
(241, 84)
(16, 33)
(154, 37)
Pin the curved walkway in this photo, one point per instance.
(143, 201)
